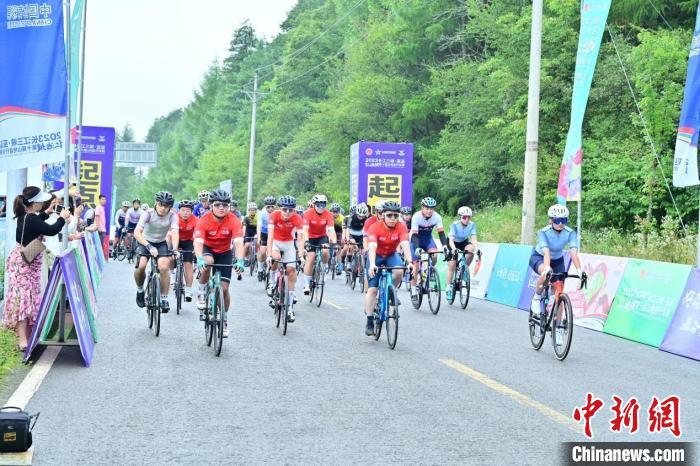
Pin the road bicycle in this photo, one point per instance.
(252, 255)
(131, 248)
(318, 276)
(357, 271)
(215, 315)
(461, 280)
(280, 295)
(386, 308)
(557, 316)
(428, 283)
(119, 248)
(333, 260)
(153, 307)
(179, 283)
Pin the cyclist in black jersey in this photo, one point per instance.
(250, 224)
(352, 231)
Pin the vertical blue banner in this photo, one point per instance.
(685, 159)
(32, 84)
(594, 14)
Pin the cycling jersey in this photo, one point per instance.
(368, 224)
(283, 229)
(120, 216)
(187, 227)
(200, 210)
(250, 222)
(217, 234)
(133, 216)
(338, 223)
(156, 227)
(262, 221)
(387, 239)
(549, 238)
(460, 232)
(424, 226)
(318, 223)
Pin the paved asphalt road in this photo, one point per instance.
(325, 393)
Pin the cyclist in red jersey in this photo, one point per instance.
(214, 235)
(379, 216)
(318, 228)
(188, 222)
(282, 227)
(383, 239)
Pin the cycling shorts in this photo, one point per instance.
(558, 265)
(263, 239)
(318, 242)
(426, 244)
(118, 231)
(131, 227)
(187, 250)
(162, 247)
(223, 258)
(358, 239)
(392, 260)
(286, 249)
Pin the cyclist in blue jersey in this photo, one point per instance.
(202, 207)
(263, 219)
(548, 255)
(422, 226)
(463, 238)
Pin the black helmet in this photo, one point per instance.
(219, 195)
(136, 200)
(187, 203)
(270, 200)
(335, 207)
(406, 210)
(391, 206)
(234, 203)
(287, 201)
(165, 197)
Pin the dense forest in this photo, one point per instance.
(450, 76)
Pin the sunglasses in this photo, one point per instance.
(321, 204)
(465, 217)
(287, 209)
(391, 216)
(221, 205)
(560, 221)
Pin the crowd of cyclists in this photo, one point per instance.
(212, 236)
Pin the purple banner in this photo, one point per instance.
(383, 170)
(683, 334)
(45, 309)
(97, 167)
(531, 281)
(78, 304)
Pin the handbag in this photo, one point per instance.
(33, 249)
(16, 429)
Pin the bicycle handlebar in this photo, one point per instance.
(565, 275)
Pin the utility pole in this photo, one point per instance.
(527, 230)
(82, 94)
(251, 156)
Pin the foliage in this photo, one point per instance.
(9, 356)
(452, 77)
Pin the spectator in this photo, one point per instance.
(23, 296)
(101, 221)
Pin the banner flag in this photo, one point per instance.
(594, 14)
(685, 159)
(683, 335)
(33, 84)
(509, 274)
(381, 170)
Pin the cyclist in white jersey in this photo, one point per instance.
(422, 225)
(262, 234)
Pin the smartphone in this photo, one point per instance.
(58, 208)
(77, 201)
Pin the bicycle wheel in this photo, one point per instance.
(179, 291)
(121, 250)
(392, 318)
(156, 304)
(219, 310)
(252, 260)
(149, 305)
(312, 283)
(285, 308)
(562, 327)
(208, 327)
(456, 285)
(320, 281)
(418, 300)
(361, 275)
(465, 287)
(537, 327)
(332, 264)
(277, 299)
(267, 282)
(434, 293)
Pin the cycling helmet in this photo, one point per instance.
(335, 207)
(353, 210)
(136, 200)
(300, 210)
(391, 206)
(428, 202)
(145, 206)
(126, 204)
(379, 206)
(310, 203)
(203, 195)
(187, 203)
(287, 201)
(362, 210)
(165, 197)
(558, 211)
(319, 198)
(252, 206)
(234, 203)
(270, 200)
(219, 195)
(406, 210)
(464, 211)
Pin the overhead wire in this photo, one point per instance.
(659, 13)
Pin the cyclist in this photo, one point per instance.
(352, 233)
(132, 219)
(462, 237)
(548, 255)
(282, 227)
(250, 223)
(151, 233)
(338, 222)
(202, 207)
(120, 217)
(384, 239)
(318, 228)
(378, 217)
(422, 226)
(234, 209)
(187, 223)
(217, 232)
(407, 216)
(300, 210)
(263, 220)
(145, 208)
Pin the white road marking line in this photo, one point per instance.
(32, 381)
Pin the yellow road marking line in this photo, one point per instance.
(326, 300)
(555, 416)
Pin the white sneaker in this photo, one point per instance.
(270, 288)
(226, 330)
(535, 305)
(188, 296)
(414, 290)
(307, 290)
(201, 303)
(291, 316)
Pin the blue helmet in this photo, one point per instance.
(287, 201)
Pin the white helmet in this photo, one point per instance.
(203, 195)
(362, 210)
(252, 206)
(558, 211)
(319, 198)
(464, 211)
(126, 204)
